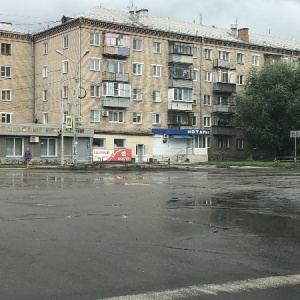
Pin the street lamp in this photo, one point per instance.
(77, 109)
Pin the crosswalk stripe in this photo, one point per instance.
(214, 289)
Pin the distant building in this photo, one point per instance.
(158, 87)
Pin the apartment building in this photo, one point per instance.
(111, 85)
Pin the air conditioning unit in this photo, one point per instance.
(105, 113)
(165, 136)
(34, 139)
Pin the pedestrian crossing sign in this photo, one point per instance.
(69, 122)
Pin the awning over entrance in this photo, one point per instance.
(181, 136)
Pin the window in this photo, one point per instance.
(194, 99)
(65, 91)
(194, 121)
(156, 70)
(240, 144)
(223, 142)
(5, 72)
(224, 55)
(137, 118)
(240, 58)
(115, 66)
(137, 45)
(137, 68)
(223, 100)
(295, 63)
(156, 96)
(208, 53)
(116, 89)
(94, 39)
(156, 119)
(6, 95)
(95, 64)
(45, 72)
(119, 143)
(45, 48)
(137, 94)
(6, 117)
(65, 42)
(182, 94)
(202, 142)
(208, 76)
(45, 95)
(195, 52)
(99, 142)
(255, 60)
(48, 147)
(5, 49)
(116, 39)
(222, 76)
(45, 118)
(95, 116)
(195, 75)
(65, 66)
(156, 47)
(240, 79)
(116, 116)
(14, 147)
(207, 99)
(206, 121)
(95, 91)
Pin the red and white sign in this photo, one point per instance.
(112, 155)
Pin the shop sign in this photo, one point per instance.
(112, 155)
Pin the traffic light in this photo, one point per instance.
(59, 133)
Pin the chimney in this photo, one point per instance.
(243, 34)
(142, 15)
(234, 30)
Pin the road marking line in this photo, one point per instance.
(214, 289)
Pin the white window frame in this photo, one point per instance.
(208, 76)
(116, 66)
(5, 72)
(137, 118)
(45, 72)
(115, 116)
(201, 141)
(5, 49)
(95, 116)
(65, 42)
(239, 143)
(255, 59)
(194, 121)
(6, 95)
(137, 44)
(6, 118)
(95, 91)
(137, 68)
(223, 142)
(95, 39)
(156, 47)
(45, 95)
(156, 119)
(156, 96)
(156, 70)
(116, 89)
(207, 121)
(240, 79)
(195, 52)
(123, 142)
(45, 117)
(65, 66)
(45, 48)
(224, 55)
(95, 63)
(137, 94)
(65, 94)
(208, 53)
(45, 143)
(240, 58)
(17, 148)
(195, 74)
(207, 100)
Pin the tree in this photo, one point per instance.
(269, 108)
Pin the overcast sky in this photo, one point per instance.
(275, 17)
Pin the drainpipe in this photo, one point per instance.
(33, 78)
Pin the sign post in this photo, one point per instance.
(295, 134)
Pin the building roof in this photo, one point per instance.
(142, 19)
(7, 27)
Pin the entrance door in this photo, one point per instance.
(140, 151)
(84, 152)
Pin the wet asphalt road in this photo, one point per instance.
(156, 234)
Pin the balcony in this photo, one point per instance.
(225, 64)
(180, 58)
(223, 108)
(116, 51)
(224, 87)
(116, 102)
(180, 119)
(222, 130)
(180, 105)
(116, 77)
(180, 83)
